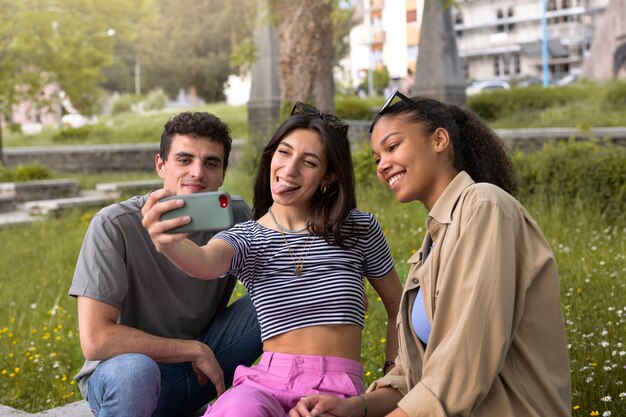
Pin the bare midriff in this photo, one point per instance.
(333, 340)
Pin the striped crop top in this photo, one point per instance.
(330, 288)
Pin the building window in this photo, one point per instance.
(500, 16)
(411, 52)
(458, 20)
(551, 7)
(411, 16)
(496, 66)
(510, 14)
(517, 64)
(465, 66)
(566, 4)
(505, 65)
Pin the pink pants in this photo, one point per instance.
(274, 386)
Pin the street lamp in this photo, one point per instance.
(544, 44)
(137, 70)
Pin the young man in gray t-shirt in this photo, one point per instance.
(153, 336)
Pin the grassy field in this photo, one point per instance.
(40, 352)
(130, 128)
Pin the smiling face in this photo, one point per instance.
(298, 167)
(193, 165)
(415, 164)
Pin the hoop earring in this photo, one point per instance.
(324, 187)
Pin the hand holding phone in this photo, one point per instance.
(210, 211)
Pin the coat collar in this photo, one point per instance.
(445, 204)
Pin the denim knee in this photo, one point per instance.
(126, 385)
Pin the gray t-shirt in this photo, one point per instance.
(119, 265)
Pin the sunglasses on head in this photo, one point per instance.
(333, 121)
(407, 101)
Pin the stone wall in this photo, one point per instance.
(140, 157)
(96, 158)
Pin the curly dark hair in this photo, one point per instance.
(477, 149)
(196, 125)
(330, 209)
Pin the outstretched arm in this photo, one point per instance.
(207, 262)
(101, 338)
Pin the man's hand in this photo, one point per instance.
(152, 211)
(206, 368)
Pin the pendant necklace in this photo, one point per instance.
(298, 262)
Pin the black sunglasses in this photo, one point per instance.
(407, 101)
(333, 121)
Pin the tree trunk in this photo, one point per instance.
(324, 83)
(304, 43)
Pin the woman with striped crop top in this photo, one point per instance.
(303, 260)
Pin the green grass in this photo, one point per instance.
(583, 105)
(39, 346)
(132, 128)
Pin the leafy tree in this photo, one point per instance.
(305, 51)
(62, 42)
(312, 38)
(190, 44)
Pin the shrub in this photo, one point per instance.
(155, 100)
(496, 104)
(356, 108)
(24, 173)
(363, 162)
(581, 175)
(124, 103)
(616, 96)
(98, 133)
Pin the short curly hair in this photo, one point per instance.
(197, 125)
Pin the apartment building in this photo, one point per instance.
(502, 39)
(496, 39)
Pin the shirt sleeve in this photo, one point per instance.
(101, 266)
(473, 320)
(239, 239)
(241, 210)
(378, 260)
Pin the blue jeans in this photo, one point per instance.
(134, 385)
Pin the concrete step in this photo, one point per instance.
(7, 203)
(39, 189)
(31, 211)
(132, 187)
(84, 201)
(76, 409)
(16, 218)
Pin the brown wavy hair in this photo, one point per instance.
(331, 209)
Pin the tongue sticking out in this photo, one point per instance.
(280, 188)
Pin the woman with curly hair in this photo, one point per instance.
(480, 324)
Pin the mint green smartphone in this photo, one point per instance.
(208, 211)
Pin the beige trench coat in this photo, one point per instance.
(497, 346)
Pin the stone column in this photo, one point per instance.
(438, 72)
(607, 57)
(264, 103)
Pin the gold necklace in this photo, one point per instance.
(298, 262)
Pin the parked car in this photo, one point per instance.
(568, 79)
(486, 85)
